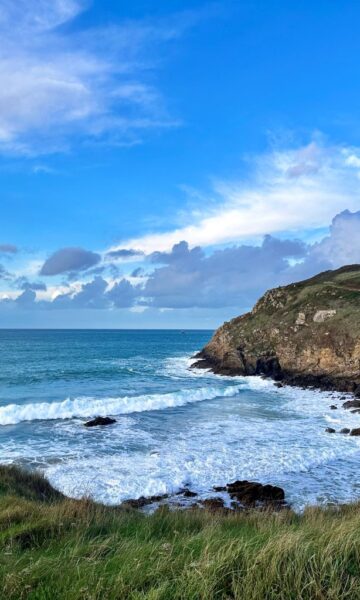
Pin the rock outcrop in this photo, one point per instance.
(100, 422)
(306, 333)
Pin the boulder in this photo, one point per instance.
(100, 421)
(333, 407)
(189, 494)
(251, 493)
(213, 504)
(355, 431)
(344, 430)
(143, 501)
(351, 404)
(330, 430)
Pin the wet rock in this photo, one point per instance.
(344, 430)
(189, 494)
(330, 430)
(333, 407)
(100, 421)
(213, 503)
(251, 493)
(143, 501)
(355, 431)
(219, 488)
(351, 404)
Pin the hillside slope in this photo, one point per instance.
(305, 333)
(62, 549)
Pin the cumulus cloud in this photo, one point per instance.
(237, 276)
(289, 190)
(26, 299)
(90, 295)
(122, 294)
(59, 83)
(229, 277)
(36, 286)
(124, 253)
(66, 260)
(98, 294)
(342, 245)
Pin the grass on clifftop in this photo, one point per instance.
(54, 548)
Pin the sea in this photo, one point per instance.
(174, 427)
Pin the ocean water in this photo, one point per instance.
(174, 427)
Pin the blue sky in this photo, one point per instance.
(162, 164)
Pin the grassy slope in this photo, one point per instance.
(279, 308)
(53, 548)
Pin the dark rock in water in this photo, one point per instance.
(351, 404)
(330, 430)
(219, 488)
(186, 492)
(345, 430)
(99, 421)
(189, 494)
(279, 384)
(333, 407)
(355, 412)
(213, 503)
(355, 431)
(143, 501)
(250, 493)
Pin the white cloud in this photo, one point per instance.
(56, 83)
(291, 190)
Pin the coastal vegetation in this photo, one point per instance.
(52, 547)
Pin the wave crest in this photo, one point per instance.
(12, 414)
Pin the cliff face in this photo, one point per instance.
(304, 333)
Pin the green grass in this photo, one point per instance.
(52, 548)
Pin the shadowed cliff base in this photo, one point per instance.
(306, 334)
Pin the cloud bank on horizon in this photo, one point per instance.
(185, 277)
(107, 115)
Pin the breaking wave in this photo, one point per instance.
(12, 414)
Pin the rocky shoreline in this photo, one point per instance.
(304, 381)
(270, 368)
(235, 496)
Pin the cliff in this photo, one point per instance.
(306, 333)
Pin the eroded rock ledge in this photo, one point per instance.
(306, 334)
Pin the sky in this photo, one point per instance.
(162, 164)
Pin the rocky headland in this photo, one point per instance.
(306, 334)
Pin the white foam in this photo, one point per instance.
(90, 407)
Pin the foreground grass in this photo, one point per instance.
(52, 548)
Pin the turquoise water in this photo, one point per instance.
(174, 427)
